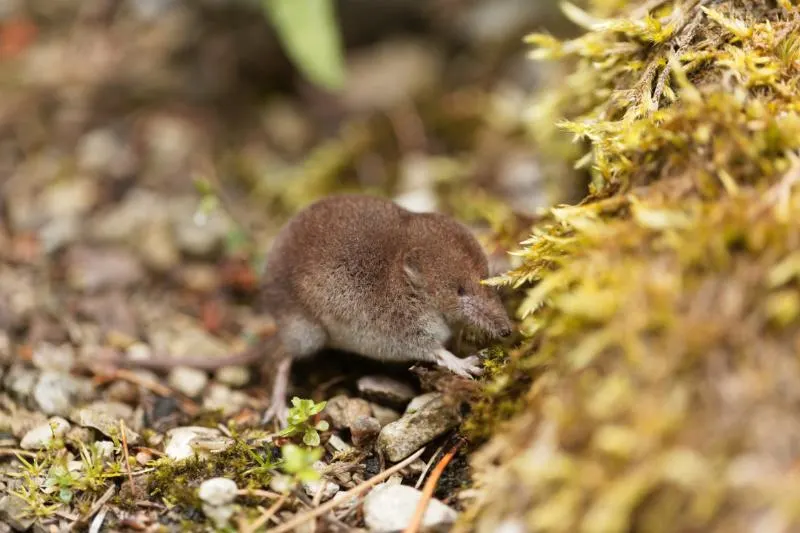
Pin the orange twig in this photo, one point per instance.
(430, 486)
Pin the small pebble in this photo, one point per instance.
(105, 450)
(385, 389)
(328, 488)
(219, 396)
(281, 483)
(217, 491)
(105, 417)
(419, 401)
(189, 381)
(384, 415)
(364, 430)
(233, 376)
(143, 458)
(41, 436)
(57, 392)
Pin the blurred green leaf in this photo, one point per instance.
(310, 35)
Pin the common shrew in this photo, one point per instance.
(361, 274)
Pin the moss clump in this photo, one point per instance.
(663, 312)
(177, 481)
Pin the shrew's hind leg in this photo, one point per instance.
(299, 338)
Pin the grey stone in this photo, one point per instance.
(41, 436)
(56, 393)
(328, 488)
(364, 430)
(233, 376)
(21, 381)
(156, 246)
(13, 512)
(419, 401)
(189, 381)
(47, 356)
(219, 396)
(217, 491)
(384, 415)
(391, 508)
(401, 438)
(385, 389)
(105, 417)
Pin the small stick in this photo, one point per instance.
(96, 506)
(430, 486)
(428, 467)
(266, 515)
(355, 491)
(127, 458)
(258, 493)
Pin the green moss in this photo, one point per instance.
(177, 481)
(661, 313)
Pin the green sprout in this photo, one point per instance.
(299, 461)
(301, 421)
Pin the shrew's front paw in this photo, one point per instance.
(467, 367)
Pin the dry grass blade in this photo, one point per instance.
(266, 515)
(127, 458)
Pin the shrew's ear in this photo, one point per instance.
(412, 266)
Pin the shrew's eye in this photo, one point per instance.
(461, 290)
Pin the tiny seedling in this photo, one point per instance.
(299, 461)
(301, 420)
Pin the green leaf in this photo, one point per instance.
(293, 458)
(65, 495)
(311, 437)
(309, 474)
(317, 408)
(322, 425)
(309, 32)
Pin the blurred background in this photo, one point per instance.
(119, 112)
(150, 149)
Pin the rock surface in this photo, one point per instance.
(185, 442)
(401, 438)
(385, 389)
(41, 436)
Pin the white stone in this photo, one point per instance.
(41, 436)
(185, 442)
(217, 491)
(189, 381)
(391, 508)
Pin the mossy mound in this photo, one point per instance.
(662, 358)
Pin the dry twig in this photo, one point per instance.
(266, 515)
